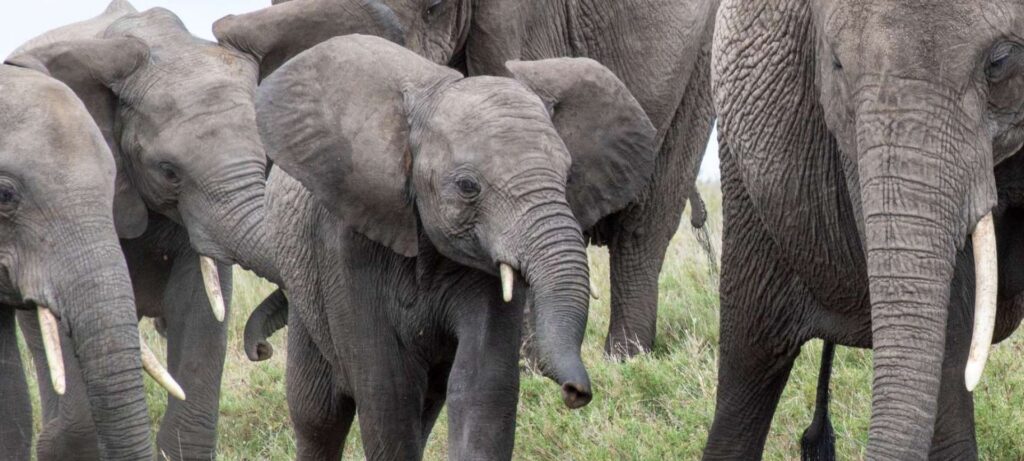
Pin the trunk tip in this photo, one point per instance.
(576, 395)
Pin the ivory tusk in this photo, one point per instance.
(158, 372)
(593, 291)
(986, 287)
(51, 344)
(211, 281)
(507, 279)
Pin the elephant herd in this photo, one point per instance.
(421, 180)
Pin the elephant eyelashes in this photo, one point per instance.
(468, 188)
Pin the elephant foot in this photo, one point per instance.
(621, 347)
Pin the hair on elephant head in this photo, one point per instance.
(59, 255)
(499, 174)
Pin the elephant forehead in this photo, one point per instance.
(483, 111)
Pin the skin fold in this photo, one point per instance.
(399, 187)
(639, 40)
(59, 250)
(861, 143)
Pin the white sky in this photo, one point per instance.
(22, 20)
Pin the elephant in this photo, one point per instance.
(191, 180)
(414, 211)
(61, 265)
(660, 49)
(860, 144)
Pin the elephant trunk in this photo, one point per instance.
(554, 264)
(924, 183)
(94, 298)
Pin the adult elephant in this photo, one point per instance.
(659, 48)
(411, 210)
(60, 263)
(859, 141)
(191, 179)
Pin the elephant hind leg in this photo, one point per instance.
(321, 417)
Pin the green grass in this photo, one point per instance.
(655, 407)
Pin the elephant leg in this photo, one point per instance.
(69, 432)
(954, 437)
(390, 394)
(196, 345)
(483, 386)
(437, 391)
(320, 417)
(763, 305)
(642, 234)
(15, 408)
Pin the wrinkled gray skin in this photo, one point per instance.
(191, 179)
(58, 249)
(659, 48)
(401, 187)
(858, 148)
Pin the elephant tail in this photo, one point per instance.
(699, 221)
(271, 315)
(818, 442)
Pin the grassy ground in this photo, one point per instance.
(655, 407)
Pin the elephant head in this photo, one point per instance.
(59, 253)
(407, 152)
(478, 35)
(918, 101)
(181, 123)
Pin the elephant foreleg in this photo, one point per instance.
(196, 345)
(15, 410)
(762, 307)
(637, 248)
(320, 416)
(483, 385)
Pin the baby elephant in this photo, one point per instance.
(425, 208)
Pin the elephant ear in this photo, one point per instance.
(93, 69)
(495, 36)
(277, 33)
(335, 119)
(607, 132)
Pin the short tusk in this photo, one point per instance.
(211, 281)
(986, 286)
(51, 344)
(593, 291)
(507, 279)
(158, 372)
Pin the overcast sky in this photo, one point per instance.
(23, 20)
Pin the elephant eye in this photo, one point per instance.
(1000, 62)
(169, 173)
(8, 198)
(468, 187)
(433, 7)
